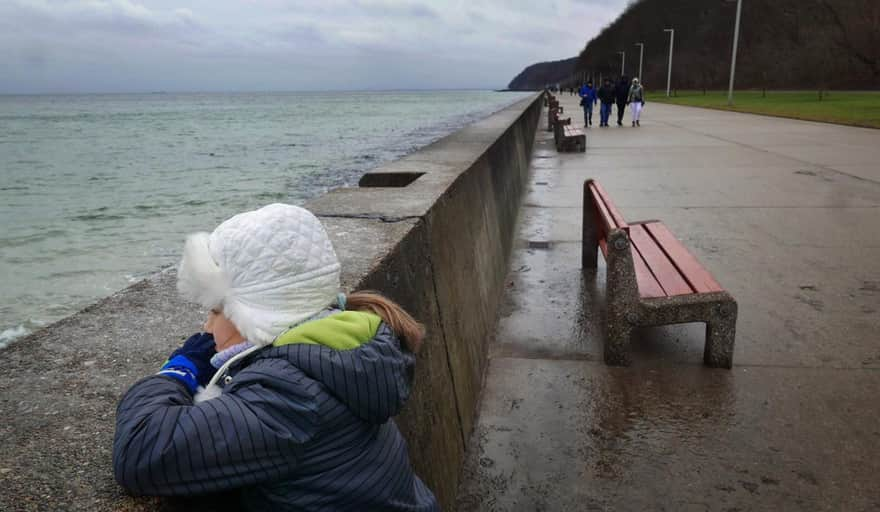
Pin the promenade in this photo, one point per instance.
(786, 215)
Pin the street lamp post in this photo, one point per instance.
(733, 57)
(669, 73)
(641, 54)
(622, 63)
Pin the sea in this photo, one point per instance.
(99, 191)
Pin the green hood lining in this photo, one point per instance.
(345, 330)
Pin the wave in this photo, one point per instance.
(97, 216)
(8, 335)
(271, 196)
(70, 273)
(28, 239)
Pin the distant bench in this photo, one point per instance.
(566, 136)
(569, 138)
(652, 279)
(553, 113)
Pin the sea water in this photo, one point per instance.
(99, 191)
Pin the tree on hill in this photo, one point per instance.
(784, 44)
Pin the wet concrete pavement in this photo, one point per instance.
(786, 215)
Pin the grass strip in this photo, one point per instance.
(855, 108)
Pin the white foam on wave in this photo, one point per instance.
(10, 334)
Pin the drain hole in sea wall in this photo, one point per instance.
(388, 179)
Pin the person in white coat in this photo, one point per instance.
(636, 98)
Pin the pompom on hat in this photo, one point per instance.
(267, 269)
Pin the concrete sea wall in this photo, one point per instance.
(433, 231)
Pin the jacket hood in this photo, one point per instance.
(356, 356)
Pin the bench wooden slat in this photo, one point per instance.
(664, 271)
(606, 221)
(698, 277)
(615, 214)
(648, 286)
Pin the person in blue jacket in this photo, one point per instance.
(588, 99)
(286, 399)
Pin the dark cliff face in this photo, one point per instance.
(784, 44)
(537, 76)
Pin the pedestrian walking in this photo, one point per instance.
(588, 99)
(606, 97)
(621, 91)
(636, 98)
(285, 400)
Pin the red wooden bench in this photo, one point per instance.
(652, 279)
(552, 115)
(558, 124)
(570, 138)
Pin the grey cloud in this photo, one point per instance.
(477, 17)
(280, 44)
(396, 9)
(302, 34)
(108, 16)
(36, 54)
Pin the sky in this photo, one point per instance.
(78, 46)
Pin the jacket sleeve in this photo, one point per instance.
(165, 445)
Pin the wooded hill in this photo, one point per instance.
(783, 44)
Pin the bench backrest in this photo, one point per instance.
(607, 216)
(558, 124)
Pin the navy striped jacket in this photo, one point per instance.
(297, 427)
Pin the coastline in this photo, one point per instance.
(24, 317)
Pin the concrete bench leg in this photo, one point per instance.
(720, 336)
(622, 295)
(617, 342)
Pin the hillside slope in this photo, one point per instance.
(537, 75)
(784, 44)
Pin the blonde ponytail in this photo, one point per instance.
(402, 323)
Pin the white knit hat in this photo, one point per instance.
(267, 269)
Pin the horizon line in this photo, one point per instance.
(242, 91)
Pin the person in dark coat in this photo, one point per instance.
(621, 93)
(286, 399)
(606, 97)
